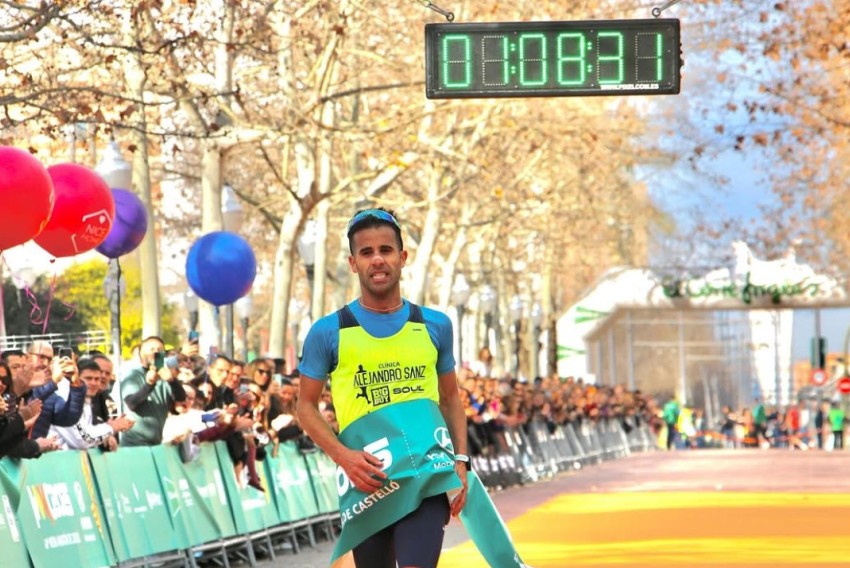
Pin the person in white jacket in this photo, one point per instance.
(90, 431)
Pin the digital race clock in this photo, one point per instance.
(552, 59)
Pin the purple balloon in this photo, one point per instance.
(129, 226)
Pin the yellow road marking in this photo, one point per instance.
(722, 529)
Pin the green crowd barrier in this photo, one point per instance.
(291, 484)
(95, 509)
(252, 510)
(60, 513)
(12, 545)
(195, 495)
(138, 518)
(321, 471)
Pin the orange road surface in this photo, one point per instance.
(656, 529)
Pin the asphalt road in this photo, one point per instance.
(700, 508)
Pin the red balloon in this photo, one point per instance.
(26, 197)
(83, 214)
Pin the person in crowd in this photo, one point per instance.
(382, 330)
(148, 391)
(284, 421)
(727, 427)
(217, 374)
(670, 415)
(819, 423)
(57, 383)
(836, 420)
(792, 427)
(760, 423)
(91, 430)
(16, 421)
(483, 366)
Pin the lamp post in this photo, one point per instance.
(307, 251)
(297, 311)
(460, 295)
(192, 307)
(23, 279)
(118, 174)
(114, 169)
(114, 288)
(232, 216)
(487, 301)
(535, 318)
(243, 309)
(515, 309)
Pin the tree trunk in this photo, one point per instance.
(425, 248)
(211, 220)
(317, 294)
(148, 251)
(283, 282)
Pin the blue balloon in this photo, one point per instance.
(221, 268)
(129, 227)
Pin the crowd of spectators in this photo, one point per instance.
(495, 403)
(176, 396)
(70, 401)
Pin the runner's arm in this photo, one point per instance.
(362, 468)
(451, 407)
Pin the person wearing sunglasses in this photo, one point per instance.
(394, 389)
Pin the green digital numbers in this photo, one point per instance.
(533, 68)
(649, 58)
(572, 59)
(457, 61)
(610, 69)
(496, 59)
(541, 59)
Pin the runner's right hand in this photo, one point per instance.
(363, 469)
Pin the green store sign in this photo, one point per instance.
(746, 292)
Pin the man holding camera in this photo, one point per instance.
(57, 383)
(148, 390)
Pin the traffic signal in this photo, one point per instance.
(817, 353)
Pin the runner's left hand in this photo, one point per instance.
(459, 500)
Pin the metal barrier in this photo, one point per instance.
(82, 341)
(540, 450)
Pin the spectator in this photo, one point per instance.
(63, 396)
(148, 393)
(15, 422)
(91, 430)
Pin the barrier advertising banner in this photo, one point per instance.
(137, 516)
(59, 512)
(14, 551)
(294, 493)
(322, 473)
(195, 495)
(253, 510)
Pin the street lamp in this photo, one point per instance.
(232, 216)
(114, 288)
(114, 169)
(24, 278)
(243, 309)
(535, 317)
(460, 295)
(487, 301)
(297, 311)
(307, 251)
(515, 310)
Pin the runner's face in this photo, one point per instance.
(377, 261)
